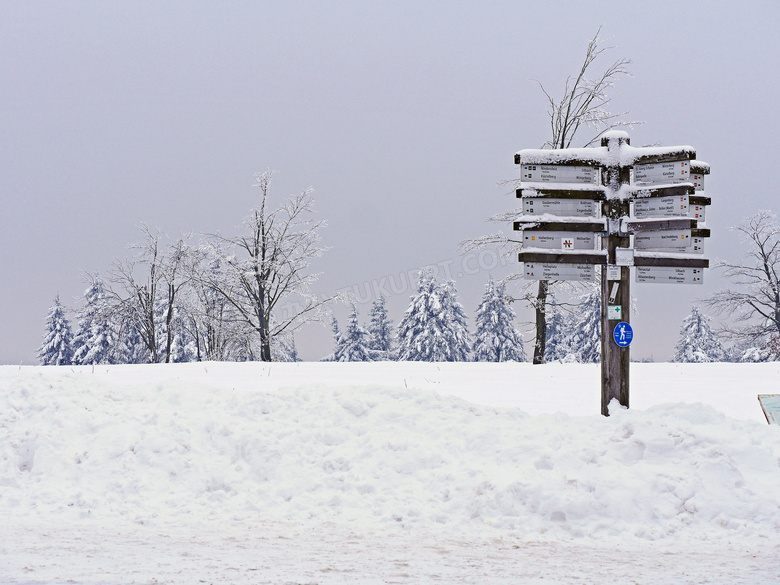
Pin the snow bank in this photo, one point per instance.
(314, 443)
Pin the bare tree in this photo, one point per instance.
(211, 321)
(584, 103)
(139, 285)
(268, 265)
(754, 301)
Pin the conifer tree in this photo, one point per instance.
(57, 346)
(586, 332)
(434, 326)
(698, 343)
(496, 338)
(353, 345)
(557, 344)
(95, 335)
(380, 330)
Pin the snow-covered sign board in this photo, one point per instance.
(770, 404)
(663, 239)
(560, 207)
(558, 174)
(559, 240)
(669, 275)
(661, 207)
(552, 271)
(665, 173)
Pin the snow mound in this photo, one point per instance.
(158, 448)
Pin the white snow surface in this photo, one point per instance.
(387, 473)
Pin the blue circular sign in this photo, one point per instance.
(623, 334)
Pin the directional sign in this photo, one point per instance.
(663, 239)
(698, 181)
(559, 240)
(623, 334)
(696, 247)
(669, 275)
(662, 173)
(661, 207)
(558, 174)
(697, 212)
(550, 271)
(560, 207)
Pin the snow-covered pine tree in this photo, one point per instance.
(766, 350)
(698, 343)
(586, 331)
(354, 342)
(183, 348)
(334, 327)
(455, 316)
(557, 345)
(380, 330)
(434, 326)
(496, 339)
(283, 348)
(95, 335)
(57, 346)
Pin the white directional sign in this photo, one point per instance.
(661, 207)
(559, 240)
(560, 207)
(558, 174)
(696, 247)
(698, 181)
(696, 212)
(662, 173)
(551, 271)
(668, 275)
(663, 239)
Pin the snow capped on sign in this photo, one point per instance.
(624, 154)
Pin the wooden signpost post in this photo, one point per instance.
(616, 207)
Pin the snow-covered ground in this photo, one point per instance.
(386, 473)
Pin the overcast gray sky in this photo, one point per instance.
(403, 116)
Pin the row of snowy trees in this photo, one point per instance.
(434, 328)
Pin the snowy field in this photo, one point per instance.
(333, 473)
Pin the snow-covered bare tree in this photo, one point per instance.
(96, 331)
(380, 330)
(209, 318)
(754, 299)
(269, 265)
(496, 339)
(698, 343)
(434, 327)
(143, 290)
(57, 346)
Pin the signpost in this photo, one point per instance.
(645, 208)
